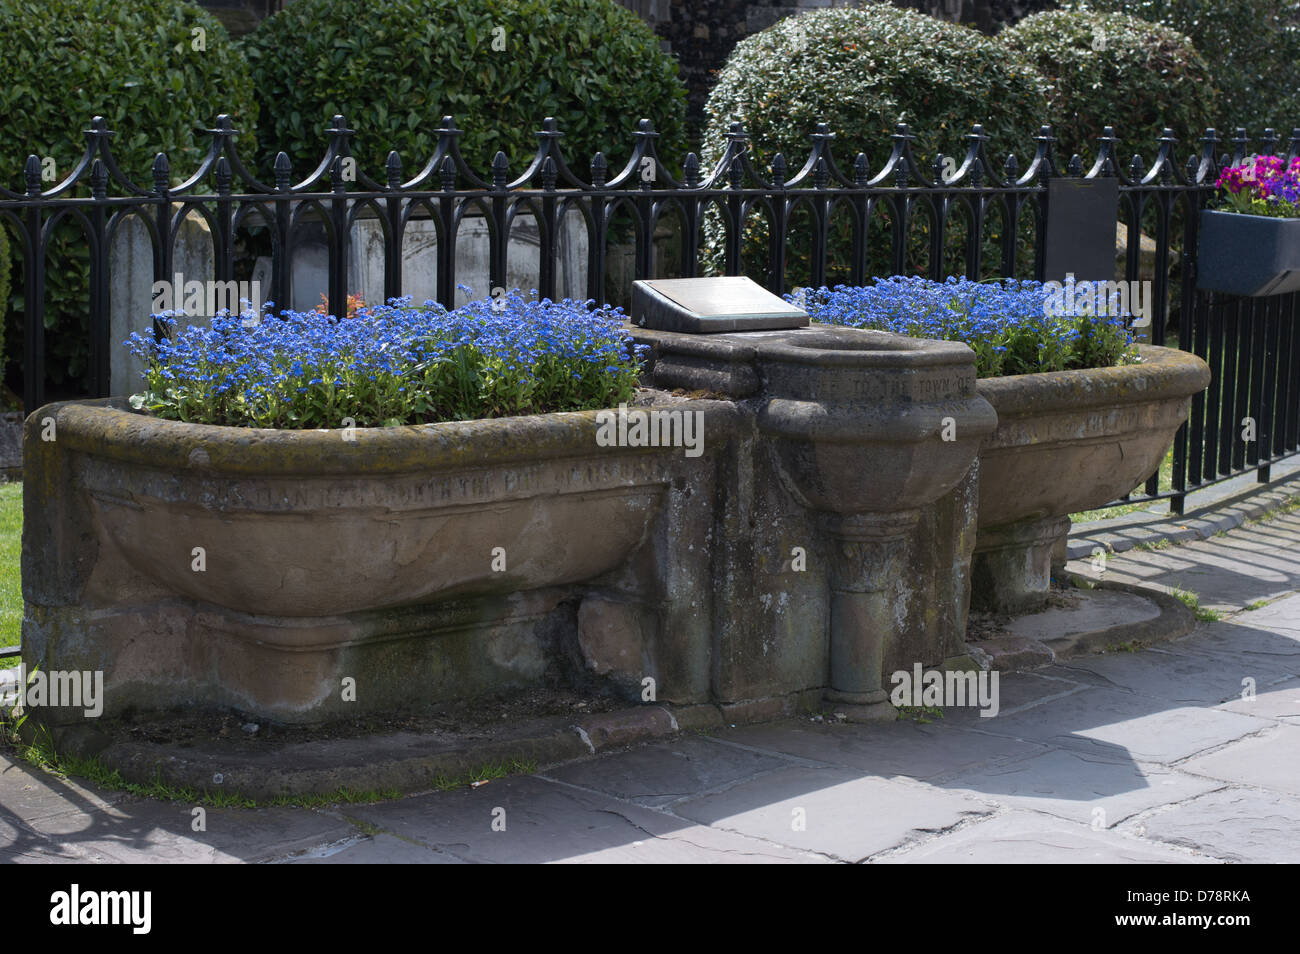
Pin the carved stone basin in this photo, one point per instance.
(1068, 441)
(307, 524)
(868, 422)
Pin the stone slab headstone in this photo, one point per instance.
(131, 268)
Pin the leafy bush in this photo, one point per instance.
(1263, 185)
(137, 65)
(389, 365)
(860, 71)
(4, 287)
(1117, 70)
(1253, 50)
(395, 68)
(1014, 327)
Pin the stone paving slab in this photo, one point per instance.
(834, 812)
(1017, 692)
(1268, 760)
(1079, 787)
(902, 748)
(1234, 824)
(1162, 673)
(550, 822)
(143, 829)
(1123, 725)
(657, 775)
(1030, 838)
(1277, 701)
(32, 794)
(1258, 652)
(380, 849)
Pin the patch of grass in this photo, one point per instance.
(41, 754)
(1193, 603)
(485, 773)
(1258, 604)
(342, 796)
(1129, 647)
(11, 548)
(1162, 544)
(922, 714)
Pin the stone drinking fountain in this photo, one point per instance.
(818, 538)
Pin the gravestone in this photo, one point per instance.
(131, 267)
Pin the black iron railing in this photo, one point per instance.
(1250, 344)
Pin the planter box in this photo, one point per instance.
(1251, 255)
(817, 540)
(1068, 441)
(259, 569)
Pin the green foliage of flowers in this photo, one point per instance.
(1110, 69)
(390, 365)
(1253, 51)
(63, 62)
(1014, 327)
(393, 69)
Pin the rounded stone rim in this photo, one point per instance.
(106, 428)
(1163, 374)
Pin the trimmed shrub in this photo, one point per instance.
(499, 67)
(1113, 69)
(4, 290)
(1253, 51)
(157, 71)
(861, 71)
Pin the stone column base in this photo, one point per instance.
(1012, 568)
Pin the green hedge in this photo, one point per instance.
(4, 291)
(1253, 51)
(1117, 70)
(860, 71)
(136, 64)
(498, 67)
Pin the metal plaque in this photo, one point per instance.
(711, 305)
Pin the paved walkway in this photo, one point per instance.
(1127, 757)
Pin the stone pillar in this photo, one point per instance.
(865, 605)
(1012, 569)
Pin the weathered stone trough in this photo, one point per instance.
(1068, 441)
(820, 538)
